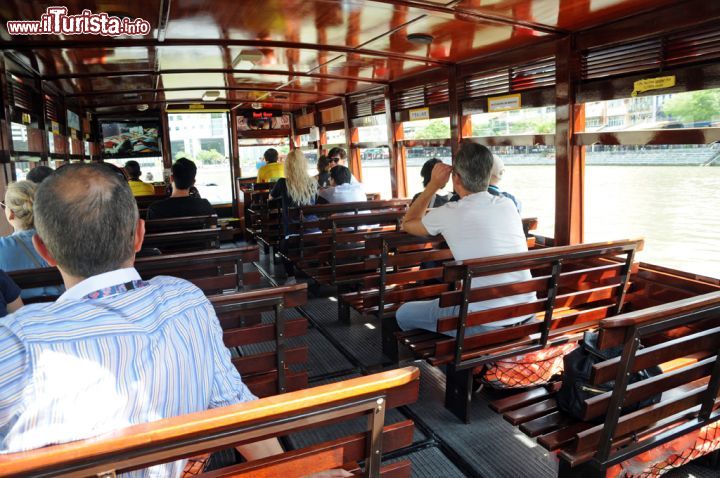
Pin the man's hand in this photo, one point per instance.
(440, 176)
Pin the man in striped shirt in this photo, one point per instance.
(114, 350)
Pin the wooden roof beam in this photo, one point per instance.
(202, 88)
(299, 74)
(475, 15)
(189, 42)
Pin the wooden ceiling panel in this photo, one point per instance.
(108, 61)
(570, 15)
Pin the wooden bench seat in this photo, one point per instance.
(166, 440)
(183, 241)
(394, 262)
(213, 271)
(272, 372)
(176, 224)
(576, 287)
(682, 337)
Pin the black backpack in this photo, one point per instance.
(576, 387)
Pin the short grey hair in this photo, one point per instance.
(87, 217)
(473, 164)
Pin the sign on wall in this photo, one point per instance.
(417, 114)
(504, 103)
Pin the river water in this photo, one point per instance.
(676, 209)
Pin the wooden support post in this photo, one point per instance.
(236, 170)
(570, 159)
(166, 150)
(351, 139)
(398, 159)
(455, 113)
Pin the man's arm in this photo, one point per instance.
(412, 222)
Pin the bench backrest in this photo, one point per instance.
(689, 327)
(240, 316)
(176, 224)
(213, 271)
(183, 241)
(139, 446)
(576, 287)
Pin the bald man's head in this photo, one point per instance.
(86, 216)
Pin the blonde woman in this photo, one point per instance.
(297, 188)
(16, 250)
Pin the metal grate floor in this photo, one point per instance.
(488, 447)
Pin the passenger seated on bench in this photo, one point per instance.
(16, 250)
(114, 350)
(426, 172)
(181, 203)
(138, 188)
(341, 189)
(338, 156)
(39, 173)
(10, 300)
(478, 225)
(496, 174)
(297, 188)
(272, 171)
(323, 166)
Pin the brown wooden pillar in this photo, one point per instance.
(166, 150)
(454, 111)
(570, 159)
(398, 159)
(352, 139)
(236, 169)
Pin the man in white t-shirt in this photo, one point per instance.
(341, 188)
(478, 225)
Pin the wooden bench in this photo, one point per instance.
(176, 224)
(396, 260)
(301, 221)
(683, 338)
(576, 287)
(265, 373)
(166, 440)
(183, 241)
(212, 271)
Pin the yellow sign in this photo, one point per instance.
(26, 118)
(419, 114)
(648, 84)
(504, 103)
(196, 106)
(55, 126)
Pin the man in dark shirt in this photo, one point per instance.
(180, 203)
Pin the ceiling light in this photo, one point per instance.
(246, 59)
(256, 106)
(420, 38)
(211, 95)
(142, 107)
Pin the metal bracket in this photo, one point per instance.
(280, 346)
(374, 446)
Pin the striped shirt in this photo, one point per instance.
(93, 362)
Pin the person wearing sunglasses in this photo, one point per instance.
(16, 250)
(337, 157)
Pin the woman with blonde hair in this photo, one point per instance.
(297, 188)
(16, 250)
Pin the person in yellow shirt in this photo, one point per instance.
(273, 170)
(137, 187)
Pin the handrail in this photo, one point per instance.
(662, 311)
(153, 435)
(454, 270)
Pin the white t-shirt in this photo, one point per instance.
(483, 225)
(348, 192)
